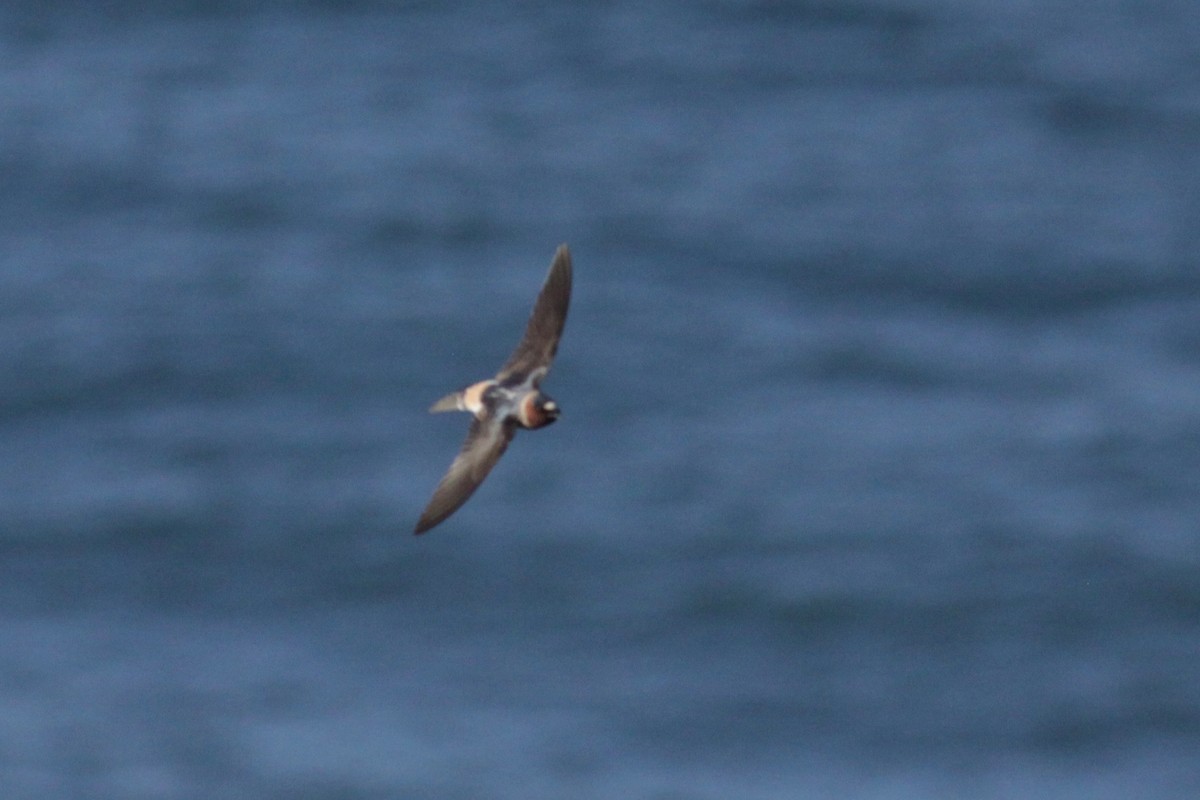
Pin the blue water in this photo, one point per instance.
(879, 469)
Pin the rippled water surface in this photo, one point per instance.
(879, 469)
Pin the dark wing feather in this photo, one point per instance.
(486, 442)
(545, 327)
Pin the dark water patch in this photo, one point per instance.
(1031, 291)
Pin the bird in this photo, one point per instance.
(508, 402)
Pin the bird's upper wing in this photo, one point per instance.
(486, 442)
(545, 327)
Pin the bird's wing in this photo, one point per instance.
(486, 442)
(537, 348)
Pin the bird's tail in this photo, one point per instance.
(451, 402)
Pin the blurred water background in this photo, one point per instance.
(879, 470)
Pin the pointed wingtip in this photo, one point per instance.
(562, 254)
(560, 269)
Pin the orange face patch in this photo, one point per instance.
(531, 412)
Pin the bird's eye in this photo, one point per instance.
(550, 405)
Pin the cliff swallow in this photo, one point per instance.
(509, 401)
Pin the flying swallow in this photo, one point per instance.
(509, 401)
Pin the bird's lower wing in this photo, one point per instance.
(486, 442)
